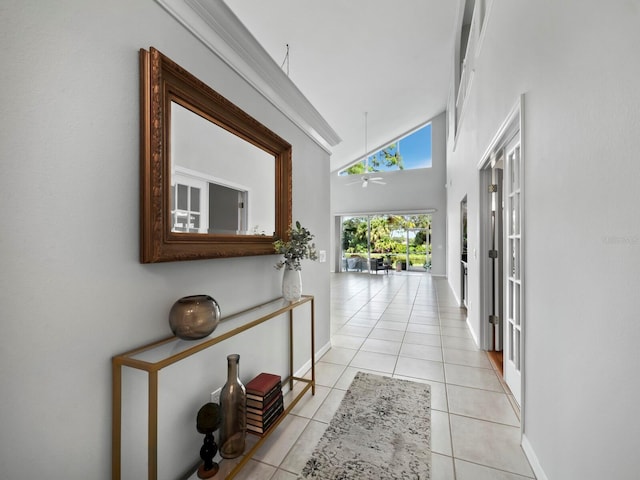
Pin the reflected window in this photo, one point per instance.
(200, 205)
(186, 211)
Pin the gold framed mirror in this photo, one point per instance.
(214, 181)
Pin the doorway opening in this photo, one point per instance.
(464, 278)
(501, 246)
(496, 216)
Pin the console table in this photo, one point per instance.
(157, 355)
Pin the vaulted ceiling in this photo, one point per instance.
(392, 60)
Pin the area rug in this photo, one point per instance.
(381, 430)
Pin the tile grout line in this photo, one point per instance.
(446, 392)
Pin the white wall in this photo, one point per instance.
(578, 65)
(72, 291)
(404, 191)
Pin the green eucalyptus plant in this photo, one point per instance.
(297, 248)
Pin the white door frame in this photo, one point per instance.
(511, 127)
(513, 274)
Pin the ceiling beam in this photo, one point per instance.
(220, 30)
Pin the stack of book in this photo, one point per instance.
(264, 402)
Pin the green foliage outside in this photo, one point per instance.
(388, 157)
(388, 238)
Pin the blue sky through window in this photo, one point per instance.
(415, 149)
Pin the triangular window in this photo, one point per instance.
(407, 153)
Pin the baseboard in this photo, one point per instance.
(473, 334)
(307, 365)
(453, 291)
(320, 353)
(533, 459)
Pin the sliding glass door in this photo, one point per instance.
(401, 241)
(355, 244)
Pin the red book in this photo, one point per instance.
(267, 409)
(260, 402)
(260, 430)
(262, 384)
(266, 419)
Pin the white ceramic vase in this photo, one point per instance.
(292, 285)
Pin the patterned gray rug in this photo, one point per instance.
(382, 430)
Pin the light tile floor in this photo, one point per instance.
(409, 326)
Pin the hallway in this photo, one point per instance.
(409, 326)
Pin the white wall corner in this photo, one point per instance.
(473, 333)
(533, 459)
(219, 29)
(453, 291)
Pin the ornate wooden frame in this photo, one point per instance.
(161, 82)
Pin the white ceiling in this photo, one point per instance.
(390, 59)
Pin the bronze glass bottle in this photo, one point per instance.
(233, 404)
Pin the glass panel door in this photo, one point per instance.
(355, 244)
(514, 279)
(418, 241)
(382, 245)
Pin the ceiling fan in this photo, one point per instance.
(366, 178)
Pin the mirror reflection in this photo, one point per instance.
(220, 183)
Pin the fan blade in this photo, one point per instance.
(353, 183)
(375, 178)
(378, 182)
(365, 182)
